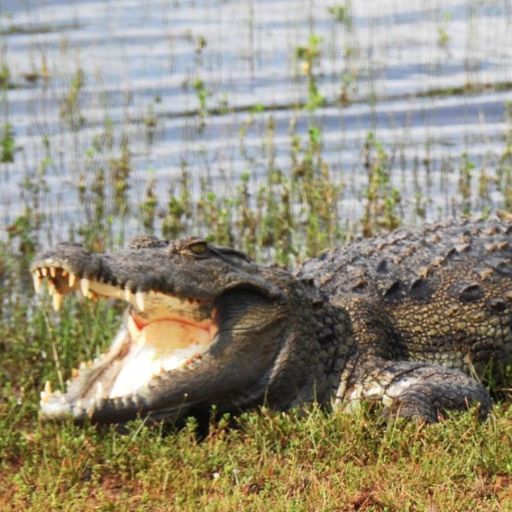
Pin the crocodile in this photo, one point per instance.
(419, 320)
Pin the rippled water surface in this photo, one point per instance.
(197, 84)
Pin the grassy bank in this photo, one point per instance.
(262, 460)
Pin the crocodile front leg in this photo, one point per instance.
(411, 389)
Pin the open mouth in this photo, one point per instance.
(161, 332)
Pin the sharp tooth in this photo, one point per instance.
(53, 271)
(63, 272)
(213, 330)
(51, 287)
(44, 271)
(132, 328)
(84, 286)
(37, 279)
(57, 300)
(99, 391)
(128, 295)
(45, 396)
(139, 299)
(47, 387)
(72, 280)
(82, 365)
(75, 373)
(158, 369)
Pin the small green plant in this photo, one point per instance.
(201, 43)
(5, 76)
(504, 170)
(179, 206)
(420, 206)
(309, 57)
(7, 144)
(382, 199)
(484, 185)
(258, 108)
(92, 194)
(342, 14)
(24, 229)
(216, 212)
(120, 170)
(443, 33)
(464, 186)
(173, 223)
(277, 222)
(248, 218)
(202, 95)
(149, 206)
(70, 111)
(223, 105)
(348, 84)
(150, 124)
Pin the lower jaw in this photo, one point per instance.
(144, 362)
(158, 347)
(140, 354)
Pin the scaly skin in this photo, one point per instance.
(412, 320)
(431, 308)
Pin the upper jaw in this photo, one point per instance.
(125, 276)
(148, 304)
(132, 274)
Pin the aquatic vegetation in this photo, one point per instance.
(70, 107)
(7, 144)
(443, 31)
(120, 169)
(342, 13)
(382, 198)
(309, 58)
(202, 96)
(5, 73)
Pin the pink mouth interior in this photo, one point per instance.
(160, 345)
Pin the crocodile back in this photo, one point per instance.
(445, 289)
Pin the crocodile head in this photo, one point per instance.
(204, 326)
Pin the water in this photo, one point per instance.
(431, 79)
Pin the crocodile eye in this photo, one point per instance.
(198, 248)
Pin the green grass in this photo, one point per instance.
(283, 461)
